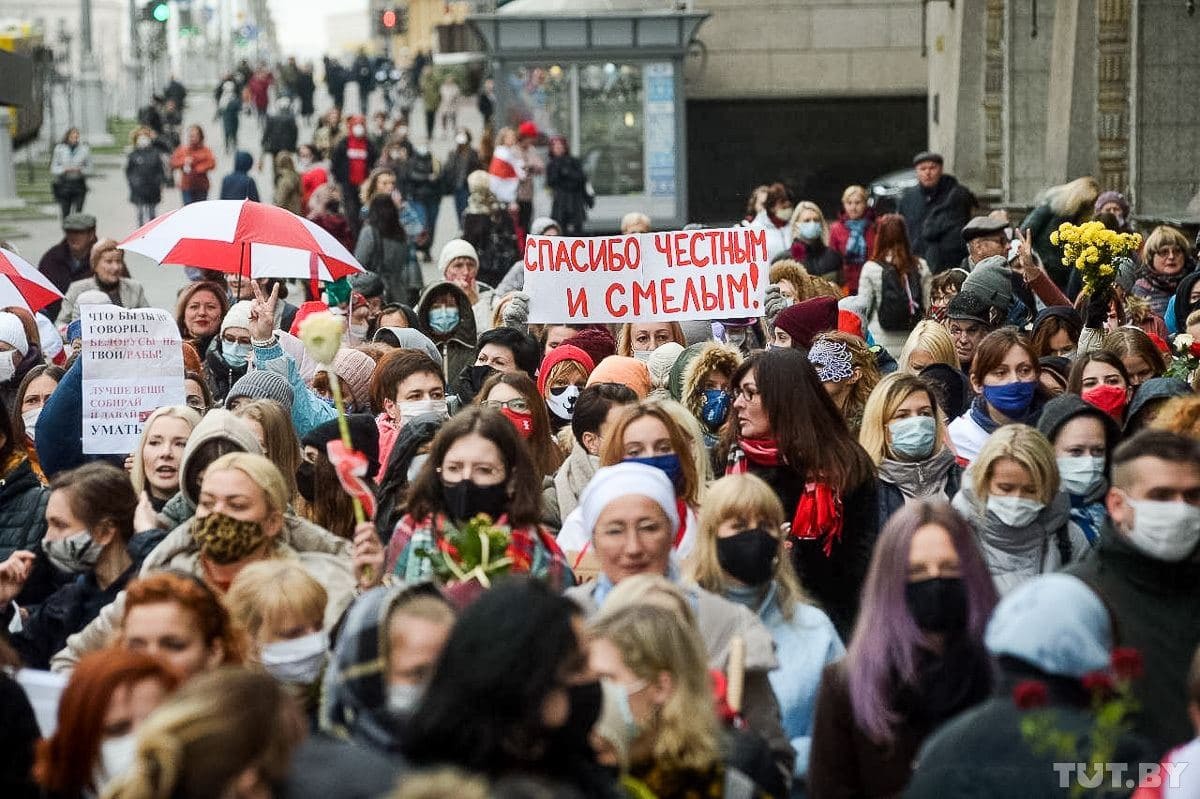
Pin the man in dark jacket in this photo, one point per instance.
(1147, 571)
(71, 258)
(280, 134)
(935, 211)
(238, 185)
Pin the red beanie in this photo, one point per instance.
(595, 341)
(850, 322)
(563, 352)
(804, 320)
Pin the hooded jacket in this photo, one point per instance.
(393, 480)
(458, 346)
(1154, 389)
(1013, 554)
(238, 185)
(287, 183)
(706, 357)
(410, 339)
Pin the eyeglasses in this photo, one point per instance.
(1170, 251)
(750, 394)
(243, 340)
(518, 404)
(196, 402)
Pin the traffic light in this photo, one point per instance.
(156, 11)
(391, 21)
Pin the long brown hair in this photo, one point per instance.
(892, 245)
(681, 442)
(797, 405)
(547, 457)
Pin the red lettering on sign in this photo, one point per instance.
(577, 303)
(610, 300)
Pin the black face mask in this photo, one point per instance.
(306, 481)
(585, 702)
(938, 605)
(749, 556)
(479, 374)
(466, 499)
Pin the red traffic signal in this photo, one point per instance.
(389, 18)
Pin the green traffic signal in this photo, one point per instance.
(161, 12)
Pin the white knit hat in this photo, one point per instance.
(13, 332)
(456, 248)
(627, 480)
(237, 316)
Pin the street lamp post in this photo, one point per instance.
(93, 124)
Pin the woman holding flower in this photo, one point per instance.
(477, 465)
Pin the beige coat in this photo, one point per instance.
(324, 556)
(131, 293)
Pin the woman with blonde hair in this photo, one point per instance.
(929, 342)
(741, 554)
(655, 659)
(1068, 202)
(847, 368)
(810, 243)
(904, 433)
(1167, 260)
(797, 285)
(272, 427)
(853, 235)
(638, 339)
(1012, 500)
(280, 606)
(230, 733)
(157, 459)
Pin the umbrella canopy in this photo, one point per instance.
(243, 237)
(22, 285)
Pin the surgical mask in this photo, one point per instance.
(643, 355)
(715, 407)
(466, 499)
(75, 554)
(143, 141)
(668, 464)
(1014, 511)
(749, 556)
(358, 130)
(30, 418)
(1011, 399)
(403, 699)
(8, 365)
(297, 660)
(561, 401)
(358, 332)
(1167, 531)
(783, 212)
(620, 694)
(443, 318)
(116, 757)
(913, 437)
(305, 163)
(1080, 475)
(411, 409)
(809, 231)
(736, 336)
(938, 605)
(414, 466)
(235, 354)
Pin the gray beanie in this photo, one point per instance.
(990, 281)
(262, 384)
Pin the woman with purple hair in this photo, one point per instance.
(916, 659)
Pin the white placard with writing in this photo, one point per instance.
(132, 365)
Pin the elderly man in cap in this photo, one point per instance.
(71, 258)
(935, 211)
(988, 242)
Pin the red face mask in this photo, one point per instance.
(522, 421)
(1110, 399)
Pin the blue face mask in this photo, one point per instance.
(1011, 399)
(912, 438)
(668, 464)
(443, 319)
(809, 231)
(235, 354)
(715, 408)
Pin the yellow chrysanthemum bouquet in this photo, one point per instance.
(1093, 249)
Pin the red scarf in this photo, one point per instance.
(819, 511)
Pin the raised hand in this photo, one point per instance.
(262, 312)
(368, 556)
(13, 574)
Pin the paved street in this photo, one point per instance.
(108, 193)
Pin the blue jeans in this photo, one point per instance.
(193, 196)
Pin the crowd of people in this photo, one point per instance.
(929, 526)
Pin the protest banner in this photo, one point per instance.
(132, 364)
(677, 275)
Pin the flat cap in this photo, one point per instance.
(928, 155)
(983, 226)
(79, 221)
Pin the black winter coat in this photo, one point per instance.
(566, 178)
(935, 220)
(280, 134)
(219, 375)
(22, 510)
(59, 268)
(145, 173)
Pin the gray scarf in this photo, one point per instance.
(920, 478)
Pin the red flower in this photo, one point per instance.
(447, 547)
(1158, 342)
(1098, 682)
(1127, 663)
(1030, 694)
(1194, 350)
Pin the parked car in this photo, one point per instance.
(884, 191)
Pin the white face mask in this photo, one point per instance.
(30, 418)
(116, 757)
(8, 365)
(403, 699)
(411, 409)
(643, 355)
(1166, 531)
(1014, 511)
(297, 660)
(1080, 475)
(358, 332)
(143, 141)
(561, 401)
(460, 138)
(358, 130)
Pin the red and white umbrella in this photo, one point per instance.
(243, 237)
(22, 285)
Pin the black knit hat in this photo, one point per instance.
(364, 435)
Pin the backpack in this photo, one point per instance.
(499, 253)
(900, 305)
